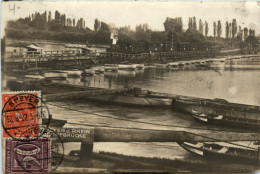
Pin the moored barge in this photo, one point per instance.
(220, 112)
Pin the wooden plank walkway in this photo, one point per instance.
(135, 135)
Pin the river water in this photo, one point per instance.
(241, 86)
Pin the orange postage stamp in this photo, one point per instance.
(20, 113)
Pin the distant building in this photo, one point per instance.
(34, 49)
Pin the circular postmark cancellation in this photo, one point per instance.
(23, 114)
(42, 155)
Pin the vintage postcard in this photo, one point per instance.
(110, 86)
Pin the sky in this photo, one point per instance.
(133, 13)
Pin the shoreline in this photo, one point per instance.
(119, 162)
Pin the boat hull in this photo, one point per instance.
(249, 156)
(128, 100)
(87, 72)
(228, 122)
(238, 117)
(140, 66)
(127, 67)
(111, 68)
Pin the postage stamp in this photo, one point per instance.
(32, 156)
(22, 111)
(41, 155)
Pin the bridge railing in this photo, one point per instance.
(67, 55)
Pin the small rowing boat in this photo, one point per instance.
(111, 68)
(222, 152)
(88, 72)
(140, 66)
(130, 67)
(99, 69)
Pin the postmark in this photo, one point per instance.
(24, 111)
(41, 155)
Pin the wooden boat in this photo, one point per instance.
(130, 67)
(173, 65)
(55, 75)
(111, 68)
(88, 72)
(73, 73)
(140, 66)
(221, 112)
(158, 65)
(222, 152)
(99, 69)
(180, 65)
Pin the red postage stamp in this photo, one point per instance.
(20, 113)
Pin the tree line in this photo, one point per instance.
(62, 28)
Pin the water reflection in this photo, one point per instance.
(125, 73)
(74, 80)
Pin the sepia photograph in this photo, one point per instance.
(129, 87)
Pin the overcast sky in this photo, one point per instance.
(134, 13)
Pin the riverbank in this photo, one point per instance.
(124, 163)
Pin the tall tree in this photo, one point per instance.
(227, 30)
(143, 33)
(45, 16)
(219, 29)
(190, 24)
(234, 28)
(206, 28)
(173, 24)
(63, 20)
(104, 26)
(245, 33)
(194, 24)
(97, 25)
(73, 22)
(49, 16)
(230, 30)
(214, 29)
(57, 16)
(201, 26)
(239, 34)
(80, 23)
(253, 33)
(250, 32)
